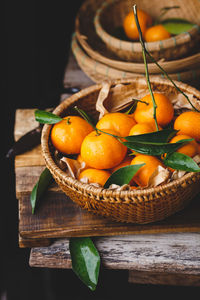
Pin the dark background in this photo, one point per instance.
(36, 44)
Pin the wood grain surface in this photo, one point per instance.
(171, 259)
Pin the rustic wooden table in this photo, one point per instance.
(165, 252)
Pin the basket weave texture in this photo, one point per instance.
(111, 14)
(99, 72)
(135, 206)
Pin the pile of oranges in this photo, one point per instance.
(150, 33)
(103, 153)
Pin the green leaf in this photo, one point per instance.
(85, 260)
(155, 148)
(122, 175)
(180, 161)
(40, 187)
(161, 136)
(176, 25)
(45, 117)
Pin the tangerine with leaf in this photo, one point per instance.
(156, 33)
(142, 128)
(144, 173)
(164, 111)
(190, 149)
(102, 150)
(68, 134)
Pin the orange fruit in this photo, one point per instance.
(68, 134)
(156, 33)
(126, 162)
(130, 27)
(142, 128)
(102, 151)
(190, 149)
(188, 123)
(143, 174)
(95, 176)
(118, 122)
(164, 111)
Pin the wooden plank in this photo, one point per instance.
(176, 253)
(24, 243)
(24, 122)
(58, 216)
(163, 278)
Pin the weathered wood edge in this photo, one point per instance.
(138, 277)
(65, 232)
(29, 243)
(174, 254)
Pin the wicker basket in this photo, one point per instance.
(135, 206)
(99, 72)
(92, 46)
(112, 13)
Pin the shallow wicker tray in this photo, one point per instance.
(136, 206)
(99, 72)
(112, 13)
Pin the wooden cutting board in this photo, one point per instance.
(57, 216)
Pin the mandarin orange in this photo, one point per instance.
(95, 176)
(130, 27)
(188, 123)
(164, 111)
(142, 128)
(68, 134)
(190, 149)
(156, 33)
(143, 174)
(101, 150)
(118, 122)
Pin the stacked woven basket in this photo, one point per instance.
(103, 56)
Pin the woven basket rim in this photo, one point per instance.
(171, 42)
(139, 66)
(99, 71)
(81, 187)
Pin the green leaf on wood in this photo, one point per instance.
(177, 25)
(85, 260)
(180, 161)
(45, 117)
(123, 175)
(40, 187)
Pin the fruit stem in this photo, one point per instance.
(146, 65)
(68, 121)
(169, 78)
(144, 50)
(137, 100)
